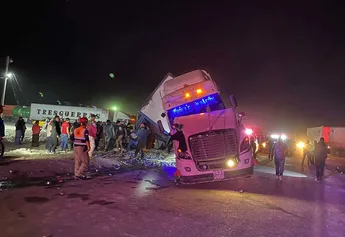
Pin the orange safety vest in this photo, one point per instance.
(79, 136)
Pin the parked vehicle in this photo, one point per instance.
(334, 137)
(218, 147)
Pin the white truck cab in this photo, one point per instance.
(218, 147)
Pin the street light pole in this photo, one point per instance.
(8, 61)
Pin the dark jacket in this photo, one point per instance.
(20, 125)
(76, 124)
(99, 130)
(321, 152)
(142, 134)
(56, 129)
(2, 128)
(253, 146)
(179, 136)
(120, 130)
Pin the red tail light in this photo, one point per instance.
(249, 131)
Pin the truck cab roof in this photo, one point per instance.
(189, 78)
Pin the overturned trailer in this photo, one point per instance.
(150, 114)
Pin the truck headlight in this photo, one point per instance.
(231, 163)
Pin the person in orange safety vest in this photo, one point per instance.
(81, 144)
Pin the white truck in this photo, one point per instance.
(334, 137)
(217, 145)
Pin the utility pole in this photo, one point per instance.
(8, 61)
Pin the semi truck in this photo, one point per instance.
(334, 137)
(218, 147)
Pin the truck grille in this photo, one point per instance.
(214, 145)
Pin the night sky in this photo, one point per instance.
(285, 63)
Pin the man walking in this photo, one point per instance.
(2, 124)
(109, 134)
(312, 152)
(142, 139)
(133, 139)
(120, 132)
(306, 153)
(76, 123)
(320, 158)
(20, 127)
(49, 136)
(253, 146)
(270, 148)
(23, 133)
(55, 134)
(92, 129)
(35, 134)
(80, 139)
(98, 134)
(65, 135)
(280, 152)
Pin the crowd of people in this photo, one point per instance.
(84, 137)
(316, 154)
(116, 136)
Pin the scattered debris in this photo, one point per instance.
(104, 163)
(157, 188)
(340, 169)
(36, 199)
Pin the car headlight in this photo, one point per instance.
(300, 145)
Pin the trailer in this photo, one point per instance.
(334, 137)
(44, 111)
(150, 114)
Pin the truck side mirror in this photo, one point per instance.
(163, 115)
(240, 116)
(160, 126)
(233, 101)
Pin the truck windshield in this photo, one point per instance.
(214, 102)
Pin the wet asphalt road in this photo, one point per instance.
(147, 203)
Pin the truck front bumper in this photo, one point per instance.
(205, 178)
